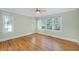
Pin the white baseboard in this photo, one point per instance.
(15, 36)
(64, 38)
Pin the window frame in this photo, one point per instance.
(60, 21)
(11, 17)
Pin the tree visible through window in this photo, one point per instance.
(51, 23)
(7, 22)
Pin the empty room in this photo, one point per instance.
(39, 29)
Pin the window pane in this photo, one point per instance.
(7, 23)
(49, 24)
(56, 23)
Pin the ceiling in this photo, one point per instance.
(31, 12)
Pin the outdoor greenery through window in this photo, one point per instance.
(7, 22)
(50, 23)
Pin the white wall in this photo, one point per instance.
(26, 25)
(70, 26)
(22, 25)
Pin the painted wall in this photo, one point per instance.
(22, 25)
(70, 30)
(78, 23)
(25, 25)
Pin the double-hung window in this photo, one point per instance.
(50, 23)
(7, 23)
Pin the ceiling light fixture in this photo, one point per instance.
(38, 11)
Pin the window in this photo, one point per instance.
(50, 23)
(57, 23)
(7, 22)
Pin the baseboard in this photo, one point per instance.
(64, 38)
(15, 36)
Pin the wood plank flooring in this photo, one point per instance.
(38, 42)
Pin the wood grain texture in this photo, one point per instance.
(38, 42)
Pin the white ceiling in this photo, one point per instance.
(31, 12)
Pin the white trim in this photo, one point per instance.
(15, 36)
(64, 38)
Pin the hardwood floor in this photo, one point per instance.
(38, 42)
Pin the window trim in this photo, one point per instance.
(61, 25)
(7, 14)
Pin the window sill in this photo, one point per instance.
(50, 30)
